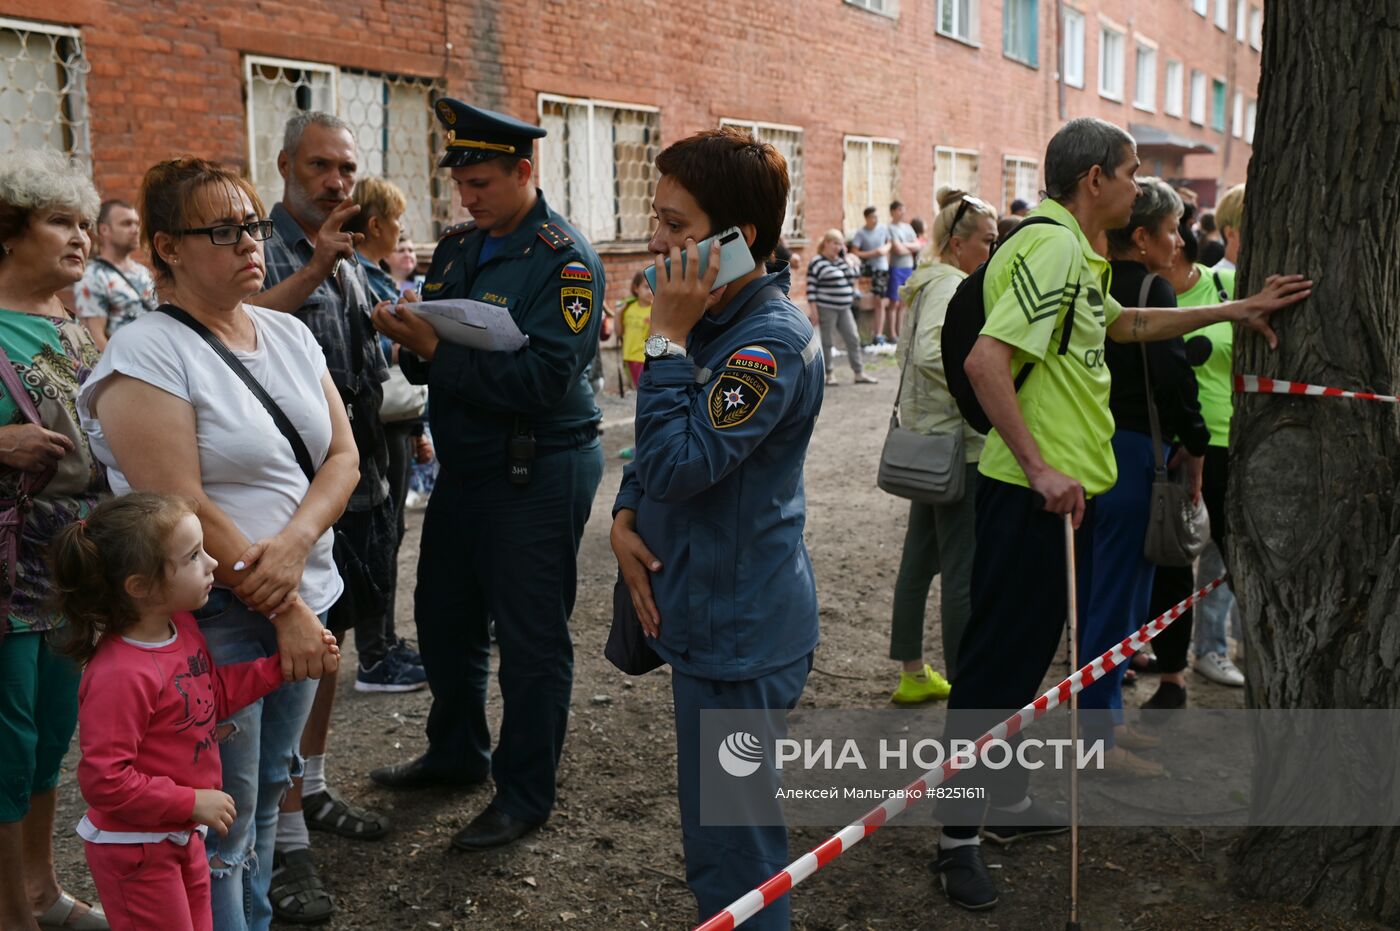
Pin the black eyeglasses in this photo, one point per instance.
(228, 234)
(967, 200)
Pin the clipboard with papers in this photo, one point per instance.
(475, 324)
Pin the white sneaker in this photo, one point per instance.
(415, 500)
(1217, 668)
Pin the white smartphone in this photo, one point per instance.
(735, 259)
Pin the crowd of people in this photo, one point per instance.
(209, 458)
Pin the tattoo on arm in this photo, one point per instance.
(1139, 329)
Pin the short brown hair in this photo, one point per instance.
(377, 198)
(169, 199)
(736, 180)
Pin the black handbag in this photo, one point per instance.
(362, 596)
(627, 646)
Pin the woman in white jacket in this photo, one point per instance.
(940, 537)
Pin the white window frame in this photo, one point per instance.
(966, 32)
(1198, 104)
(952, 153)
(1030, 195)
(73, 94)
(1256, 28)
(1237, 116)
(1173, 93)
(870, 142)
(1201, 7)
(1074, 27)
(591, 223)
(1241, 19)
(1145, 91)
(1222, 15)
(1110, 30)
(438, 194)
(794, 225)
(1251, 112)
(889, 8)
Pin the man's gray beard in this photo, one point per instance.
(304, 206)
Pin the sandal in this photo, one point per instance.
(296, 893)
(326, 811)
(59, 916)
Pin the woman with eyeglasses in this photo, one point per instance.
(47, 210)
(165, 412)
(940, 536)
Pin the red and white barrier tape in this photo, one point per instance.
(1258, 384)
(747, 906)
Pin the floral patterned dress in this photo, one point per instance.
(53, 356)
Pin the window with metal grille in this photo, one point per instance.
(597, 165)
(956, 168)
(43, 90)
(391, 116)
(869, 178)
(788, 141)
(1020, 179)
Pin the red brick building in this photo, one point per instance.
(869, 99)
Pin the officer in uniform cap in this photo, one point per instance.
(517, 437)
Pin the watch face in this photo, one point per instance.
(655, 346)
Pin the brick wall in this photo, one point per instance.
(168, 78)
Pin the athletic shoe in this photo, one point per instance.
(880, 340)
(390, 675)
(965, 878)
(1217, 668)
(915, 688)
(415, 500)
(1007, 827)
(406, 654)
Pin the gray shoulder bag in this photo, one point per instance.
(1177, 529)
(926, 468)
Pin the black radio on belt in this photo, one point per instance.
(521, 456)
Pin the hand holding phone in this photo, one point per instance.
(735, 259)
(681, 297)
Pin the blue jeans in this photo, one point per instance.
(1214, 613)
(259, 758)
(1122, 584)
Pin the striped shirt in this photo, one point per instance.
(831, 285)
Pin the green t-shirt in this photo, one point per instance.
(1214, 378)
(1064, 402)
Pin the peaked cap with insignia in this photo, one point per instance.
(476, 135)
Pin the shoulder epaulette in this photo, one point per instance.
(554, 236)
(457, 230)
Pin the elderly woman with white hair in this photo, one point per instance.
(831, 287)
(48, 478)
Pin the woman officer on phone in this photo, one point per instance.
(707, 526)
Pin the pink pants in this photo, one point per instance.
(635, 368)
(146, 886)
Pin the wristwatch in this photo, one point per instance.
(659, 347)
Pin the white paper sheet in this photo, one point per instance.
(472, 323)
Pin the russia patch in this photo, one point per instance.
(754, 359)
(576, 271)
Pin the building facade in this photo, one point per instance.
(870, 100)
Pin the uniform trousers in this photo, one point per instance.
(161, 885)
(491, 549)
(724, 862)
(1018, 617)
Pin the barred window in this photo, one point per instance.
(870, 177)
(788, 141)
(596, 166)
(391, 116)
(1020, 179)
(956, 168)
(43, 90)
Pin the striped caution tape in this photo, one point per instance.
(750, 904)
(1258, 384)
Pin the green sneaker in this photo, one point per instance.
(915, 688)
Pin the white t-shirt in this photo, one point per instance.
(246, 466)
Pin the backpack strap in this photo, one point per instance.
(1219, 286)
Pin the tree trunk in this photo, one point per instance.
(1314, 509)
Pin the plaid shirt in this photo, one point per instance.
(326, 312)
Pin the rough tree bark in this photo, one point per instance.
(1314, 505)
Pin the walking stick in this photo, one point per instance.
(1073, 602)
